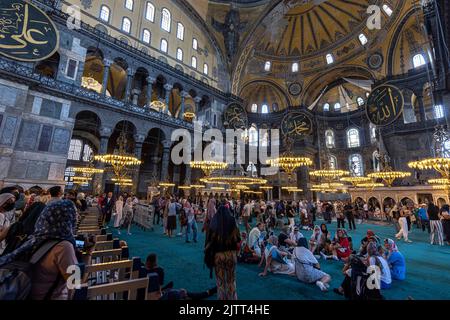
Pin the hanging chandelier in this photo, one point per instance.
(208, 167)
(355, 181)
(389, 176)
(329, 174)
(370, 185)
(440, 165)
(234, 180)
(289, 163)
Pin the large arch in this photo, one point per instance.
(94, 68)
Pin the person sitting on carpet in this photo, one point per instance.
(374, 259)
(276, 260)
(295, 235)
(245, 253)
(340, 246)
(395, 259)
(314, 241)
(151, 266)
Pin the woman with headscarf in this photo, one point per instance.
(374, 259)
(55, 225)
(314, 241)
(395, 260)
(276, 260)
(341, 245)
(222, 240)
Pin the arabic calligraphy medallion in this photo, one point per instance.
(384, 105)
(296, 125)
(235, 117)
(26, 32)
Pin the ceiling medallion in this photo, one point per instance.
(235, 116)
(375, 61)
(295, 89)
(384, 105)
(296, 125)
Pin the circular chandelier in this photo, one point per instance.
(329, 174)
(329, 185)
(289, 163)
(197, 186)
(218, 188)
(370, 185)
(234, 180)
(266, 188)
(166, 185)
(354, 181)
(87, 170)
(208, 166)
(440, 165)
(439, 181)
(158, 105)
(389, 176)
(189, 115)
(117, 160)
(184, 187)
(81, 180)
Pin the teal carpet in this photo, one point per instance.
(428, 267)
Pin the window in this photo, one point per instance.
(254, 108)
(265, 108)
(88, 153)
(146, 36)
(104, 13)
(418, 60)
(194, 44)
(353, 138)
(376, 161)
(71, 69)
(337, 107)
(68, 176)
(439, 111)
(166, 20)
(75, 150)
(332, 162)
(326, 107)
(363, 39)
(180, 31)
(295, 67)
(251, 168)
(205, 69)
(329, 58)
(387, 10)
(267, 66)
(129, 4)
(253, 136)
(373, 133)
(360, 101)
(126, 25)
(356, 165)
(329, 139)
(150, 12)
(194, 62)
(164, 47)
(179, 54)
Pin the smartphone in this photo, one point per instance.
(79, 244)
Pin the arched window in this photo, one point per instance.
(104, 13)
(166, 20)
(376, 161)
(267, 66)
(332, 162)
(205, 69)
(337, 107)
(326, 107)
(387, 10)
(360, 101)
(353, 138)
(253, 136)
(150, 12)
(329, 139)
(252, 169)
(194, 62)
(87, 153)
(126, 25)
(194, 44)
(129, 4)
(295, 67)
(180, 54)
(164, 46)
(356, 165)
(363, 39)
(418, 60)
(330, 58)
(180, 31)
(439, 111)
(75, 150)
(146, 36)
(373, 133)
(254, 108)
(265, 108)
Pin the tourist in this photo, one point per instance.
(340, 246)
(403, 226)
(366, 212)
(210, 211)
(295, 236)
(445, 218)
(118, 213)
(7, 203)
(276, 259)
(246, 213)
(395, 260)
(339, 209)
(307, 268)
(424, 221)
(349, 213)
(290, 213)
(437, 232)
(128, 215)
(315, 241)
(108, 205)
(222, 241)
(254, 236)
(151, 266)
(191, 222)
(56, 194)
(172, 216)
(374, 259)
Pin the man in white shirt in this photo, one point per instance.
(254, 236)
(246, 215)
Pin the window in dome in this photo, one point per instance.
(104, 13)
(330, 58)
(146, 36)
(360, 101)
(332, 162)
(150, 12)
(267, 66)
(353, 138)
(356, 165)
(373, 133)
(166, 20)
(265, 108)
(418, 60)
(205, 69)
(180, 31)
(254, 108)
(164, 45)
(337, 107)
(180, 54)
(194, 44)
(329, 139)
(295, 67)
(387, 9)
(126, 25)
(326, 107)
(129, 4)
(363, 39)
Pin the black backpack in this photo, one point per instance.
(15, 277)
(359, 288)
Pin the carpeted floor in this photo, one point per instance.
(428, 267)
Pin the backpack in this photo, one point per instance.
(15, 277)
(359, 288)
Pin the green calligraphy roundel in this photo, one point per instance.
(26, 32)
(296, 125)
(385, 105)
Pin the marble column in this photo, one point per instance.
(150, 82)
(139, 141)
(106, 67)
(168, 88)
(165, 160)
(99, 179)
(135, 94)
(128, 92)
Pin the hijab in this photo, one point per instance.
(56, 222)
(392, 246)
(4, 197)
(317, 233)
(223, 229)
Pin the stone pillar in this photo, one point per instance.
(168, 88)
(129, 83)
(197, 103)
(184, 94)
(165, 160)
(99, 179)
(139, 141)
(107, 64)
(135, 94)
(150, 82)
(422, 113)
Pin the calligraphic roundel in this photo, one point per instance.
(384, 105)
(296, 125)
(26, 32)
(235, 117)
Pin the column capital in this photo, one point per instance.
(139, 138)
(130, 72)
(197, 99)
(107, 63)
(168, 86)
(184, 94)
(105, 132)
(151, 79)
